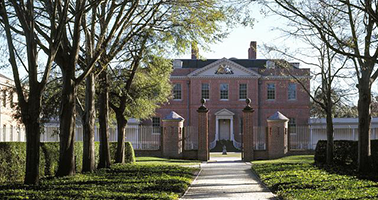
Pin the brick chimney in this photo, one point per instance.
(252, 50)
(194, 50)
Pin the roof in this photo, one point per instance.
(278, 117)
(173, 116)
(248, 63)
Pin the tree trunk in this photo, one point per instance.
(329, 135)
(67, 125)
(364, 118)
(32, 150)
(121, 125)
(103, 120)
(89, 164)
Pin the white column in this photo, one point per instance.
(216, 128)
(232, 129)
(312, 145)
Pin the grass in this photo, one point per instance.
(130, 181)
(229, 154)
(296, 177)
(165, 161)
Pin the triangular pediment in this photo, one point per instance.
(224, 68)
(224, 112)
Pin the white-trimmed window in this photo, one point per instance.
(205, 91)
(242, 91)
(292, 126)
(156, 125)
(224, 91)
(177, 91)
(271, 91)
(292, 91)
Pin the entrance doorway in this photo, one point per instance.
(224, 129)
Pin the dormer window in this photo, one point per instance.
(270, 64)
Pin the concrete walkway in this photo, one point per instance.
(227, 178)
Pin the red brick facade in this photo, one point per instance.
(256, 74)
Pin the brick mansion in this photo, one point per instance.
(227, 83)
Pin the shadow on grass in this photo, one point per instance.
(121, 182)
(349, 171)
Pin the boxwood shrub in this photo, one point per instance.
(13, 158)
(345, 153)
(12, 161)
(130, 154)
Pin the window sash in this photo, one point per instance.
(177, 91)
(205, 91)
(224, 91)
(292, 91)
(292, 125)
(242, 91)
(271, 91)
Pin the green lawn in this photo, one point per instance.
(296, 177)
(130, 181)
(166, 161)
(229, 154)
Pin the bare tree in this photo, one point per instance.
(347, 28)
(329, 68)
(19, 20)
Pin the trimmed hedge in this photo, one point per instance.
(12, 161)
(345, 153)
(13, 158)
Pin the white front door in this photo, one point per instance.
(224, 129)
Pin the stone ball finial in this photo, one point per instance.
(203, 101)
(248, 101)
(202, 108)
(248, 108)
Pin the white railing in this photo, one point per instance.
(144, 137)
(148, 137)
(259, 138)
(237, 144)
(213, 144)
(190, 137)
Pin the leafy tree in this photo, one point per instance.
(150, 88)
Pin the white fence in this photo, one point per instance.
(306, 137)
(144, 137)
(148, 137)
(190, 137)
(259, 138)
(141, 137)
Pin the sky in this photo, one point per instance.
(237, 43)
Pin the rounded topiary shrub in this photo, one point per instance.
(129, 153)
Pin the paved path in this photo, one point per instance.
(227, 178)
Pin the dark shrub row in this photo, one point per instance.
(13, 158)
(345, 153)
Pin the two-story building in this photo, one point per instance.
(227, 83)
